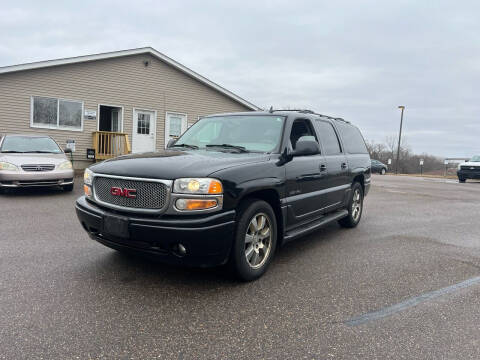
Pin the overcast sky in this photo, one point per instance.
(354, 59)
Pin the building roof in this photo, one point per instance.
(116, 54)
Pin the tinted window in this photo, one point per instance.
(328, 138)
(301, 128)
(352, 139)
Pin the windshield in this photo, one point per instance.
(27, 144)
(256, 133)
(476, 158)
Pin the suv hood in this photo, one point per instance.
(32, 158)
(173, 164)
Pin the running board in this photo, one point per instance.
(314, 225)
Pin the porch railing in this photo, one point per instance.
(109, 144)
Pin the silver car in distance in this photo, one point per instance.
(33, 160)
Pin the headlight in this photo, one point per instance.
(197, 186)
(66, 165)
(88, 177)
(7, 166)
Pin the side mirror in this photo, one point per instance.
(67, 151)
(306, 147)
(285, 157)
(171, 142)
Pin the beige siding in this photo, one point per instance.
(124, 82)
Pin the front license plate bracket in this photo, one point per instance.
(116, 226)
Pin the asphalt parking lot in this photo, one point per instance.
(403, 285)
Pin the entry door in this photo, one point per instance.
(144, 131)
(175, 125)
(337, 167)
(116, 120)
(305, 179)
(305, 186)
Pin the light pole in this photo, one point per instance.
(399, 138)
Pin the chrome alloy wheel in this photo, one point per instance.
(356, 205)
(258, 240)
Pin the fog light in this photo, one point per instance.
(195, 204)
(87, 190)
(181, 249)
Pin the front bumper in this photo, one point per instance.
(15, 179)
(207, 239)
(468, 174)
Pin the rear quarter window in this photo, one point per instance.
(352, 139)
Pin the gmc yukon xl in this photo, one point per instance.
(232, 189)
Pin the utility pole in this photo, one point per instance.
(399, 138)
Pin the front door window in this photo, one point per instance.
(143, 124)
(115, 121)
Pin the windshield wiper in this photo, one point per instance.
(13, 151)
(195, 147)
(229, 146)
(43, 152)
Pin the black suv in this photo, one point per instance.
(231, 189)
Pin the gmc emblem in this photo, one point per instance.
(128, 193)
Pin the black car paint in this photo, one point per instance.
(469, 172)
(301, 190)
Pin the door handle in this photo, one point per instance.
(344, 165)
(323, 167)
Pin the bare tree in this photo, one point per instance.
(409, 162)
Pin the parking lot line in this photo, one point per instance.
(388, 311)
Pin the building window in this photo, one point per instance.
(143, 124)
(57, 113)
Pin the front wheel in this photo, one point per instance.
(462, 180)
(355, 207)
(255, 240)
(383, 171)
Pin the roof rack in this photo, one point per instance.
(306, 111)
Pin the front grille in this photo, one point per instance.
(470, 168)
(149, 195)
(38, 167)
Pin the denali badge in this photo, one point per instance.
(128, 193)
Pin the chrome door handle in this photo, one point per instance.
(323, 167)
(344, 165)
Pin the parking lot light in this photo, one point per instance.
(399, 138)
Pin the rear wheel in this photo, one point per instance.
(255, 240)
(383, 171)
(462, 180)
(355, 207)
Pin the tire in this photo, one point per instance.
(383, 171)
(68, 188)
(461, 180)
(355, 207)
(254, 246)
